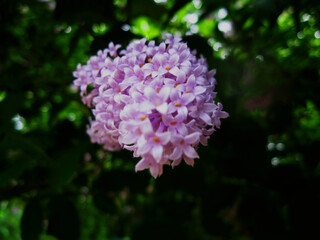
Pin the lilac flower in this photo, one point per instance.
(219, 114)
(154, 144)
(175, 123)
(179, 102)
(112, 49)
(184, 149)
(156, 101)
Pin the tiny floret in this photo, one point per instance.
(157, 101)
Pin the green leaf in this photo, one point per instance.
(63, 168)
(145, 27)
(18, 155)
(32, 220)
(63, 219)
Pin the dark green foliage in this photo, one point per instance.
(32, 220)
(63, 219)
(259, 176)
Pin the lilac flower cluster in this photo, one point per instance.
(156, 101)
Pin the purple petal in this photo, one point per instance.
(187, 98)
(108, 93)
(182, 112)
(182, 129)
(144, 149)
(209, 107)
(192, 138)
(162, 47)
(175, 139)
(145, 106)
(117, 99)
(171, 108)
(224, 114)
(164, 137)
(128, 138)
(163, 108)
(188, 161)
(211, 73)
(199, 90)
(181, 77)
(125, 99)
(137, 97)
(173, 60)
(164, 93)
(186, 67)
(174, 94)
(190, 152)
(155, 74)
(167, 118)
(157, 60)
(156, 152)
(192, 79)
(161, 71)
(176, 162)
(204, 140)
(156, 170)
(149, 92)
(142, 164)
(176, 154)
(184, 55)
(175, 71)
(146, 127)
(206, 118)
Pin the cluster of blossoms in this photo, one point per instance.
(156, 101)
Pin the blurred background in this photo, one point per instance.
(257, 179)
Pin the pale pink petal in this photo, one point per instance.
(163, 108)
(211, 73)
(149, 92)
(167, 119)
(164, 93)
(204, 140)
(199, 90)
(209, 107)
(175, 139)
(161, 71)
(173, 60)
(175, 71)
(142, 164)
(184, 55)
(125, 99)
(145, 106)
(156, 152)
(174, 94)
(176, 162)
(190, 152)
(192, 138)
(156, 170)
(182, 129)
(182, 112)
(176, 154)
(198, 70)
(187, 98)
(164, 137)
(171, 108)
(146, 127)
(206, 118)
(188, 161)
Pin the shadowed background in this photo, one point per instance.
(257, 179)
